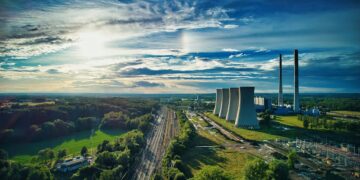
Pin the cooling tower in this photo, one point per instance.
(224, 103)
(296, 82)
(246, 115)
(280, 97)
(233, 104)
(218, 101)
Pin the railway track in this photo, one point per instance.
(157, 140)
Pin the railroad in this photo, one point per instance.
(157, 140)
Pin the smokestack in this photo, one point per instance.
(296, 82)
(280, 97)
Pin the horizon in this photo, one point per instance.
(177, 46)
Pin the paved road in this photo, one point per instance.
(157, 140)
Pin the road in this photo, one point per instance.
(157, 140)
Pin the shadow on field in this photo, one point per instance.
(197, 157)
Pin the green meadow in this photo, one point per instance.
(25, 152)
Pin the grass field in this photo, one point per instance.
(258, 135)
(24, 152)
(290, 121)
(347, 113)
(231, 161)
(202, 123)
(37, 103)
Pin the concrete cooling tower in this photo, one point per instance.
(246, 115)
(224, 103)
(218, 101)
(233, 104)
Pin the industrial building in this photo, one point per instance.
(233, 104)
(224, 103)
(218, 101)
(280, 97)
(246, 116)
(262, 104)
(237, 104)
(295, 108)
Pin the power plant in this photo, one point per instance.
(240, 105)
(233, 104)
(296, 82)
(218, 101)
(237, 104)
(280, 97)
(246, 115)
(224, 103)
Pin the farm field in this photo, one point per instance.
(24, 152)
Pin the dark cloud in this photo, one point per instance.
(53, 71)
(148, 71)
(46, 40)
(148, 84)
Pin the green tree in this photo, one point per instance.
(39, 173)
(256, 169)
(292, 158)
(306, 123)
(46, 154)
(88, 172)
(61, 153)
(3, 154)
(84, 151)
(212, 173)
(278, 170)
(106, 159)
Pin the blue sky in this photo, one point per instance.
(177, 46)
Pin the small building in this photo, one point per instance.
(262, 104)
(73, 164)
(312, 111)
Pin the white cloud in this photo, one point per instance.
(237, 55)
(230, 50)
(231, 26)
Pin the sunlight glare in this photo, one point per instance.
(92, 44)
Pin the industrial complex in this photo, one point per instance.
(240, 105)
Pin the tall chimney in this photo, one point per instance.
(280, 97)
(296, 82)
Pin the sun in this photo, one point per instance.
(92, 44)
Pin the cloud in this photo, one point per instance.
(147, 84)
(230, 50)
(231, 26)
(53, 71)
(237, 55)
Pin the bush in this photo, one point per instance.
(278, 170)
(292, 158)
(211, 173)
(114, 120)
(61, 153)
(3, 154)
(256, 169)
(106, 160)
(88, 172)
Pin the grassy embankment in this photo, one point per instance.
(257, 135)
(295, 129)
(232, 161)
(24, 152)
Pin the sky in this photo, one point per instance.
(178, 46)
